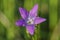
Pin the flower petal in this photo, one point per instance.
(34, 10)
(30, 29)
(39, 20)
(20, 22)
(23, 12)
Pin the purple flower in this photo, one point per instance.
(29, 19)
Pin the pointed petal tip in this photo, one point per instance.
(20, 8)
(16, 24)
(23, 12)
(20, 22)
(36, 4)
(45, 19)
(39, 20)
(31, 33)
(30, 29)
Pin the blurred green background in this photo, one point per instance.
(9, 14)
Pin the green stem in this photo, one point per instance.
(37, 33)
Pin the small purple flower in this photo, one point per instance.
(29, 19)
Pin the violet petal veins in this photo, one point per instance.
(29, 19)
(23, 12)
(30, 29)
(33, 11)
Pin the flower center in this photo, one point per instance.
(30, 21)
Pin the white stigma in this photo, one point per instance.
(30, 21)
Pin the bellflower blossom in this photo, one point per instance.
(29, 19)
